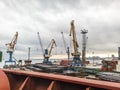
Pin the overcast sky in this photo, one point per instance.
(51, 17)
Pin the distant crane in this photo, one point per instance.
(75, 54)
(11, 48)
(64, 42)
(40, 43)
(47, 53)
(66, 48)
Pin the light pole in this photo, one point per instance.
(93, 57)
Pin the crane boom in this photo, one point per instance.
(40, 43)
(64, 42)
(73, 33)
(53, 43)
(11, 46)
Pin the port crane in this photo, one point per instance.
(47, 53)
(11, 48)
(66, 48)
(75, 54)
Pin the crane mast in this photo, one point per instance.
(75, 54)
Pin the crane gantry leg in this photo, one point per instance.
(77, 61)
(10, 58)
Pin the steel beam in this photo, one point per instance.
(49, 81)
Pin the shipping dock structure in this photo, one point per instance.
(69, 74)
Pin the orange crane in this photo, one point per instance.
(11, 48)
(76, 53)
(53, 43)
(47, 53)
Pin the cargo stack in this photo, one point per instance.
(118, 67)
(109, 66)
(65, 62)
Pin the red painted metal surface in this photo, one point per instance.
(4, 83)
(24, 80)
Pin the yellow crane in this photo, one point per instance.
(75, 54)
(11, 47)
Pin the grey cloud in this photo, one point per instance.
(49, 17)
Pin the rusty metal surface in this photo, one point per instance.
(16, 80)
(48, 81)
(4, 83)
